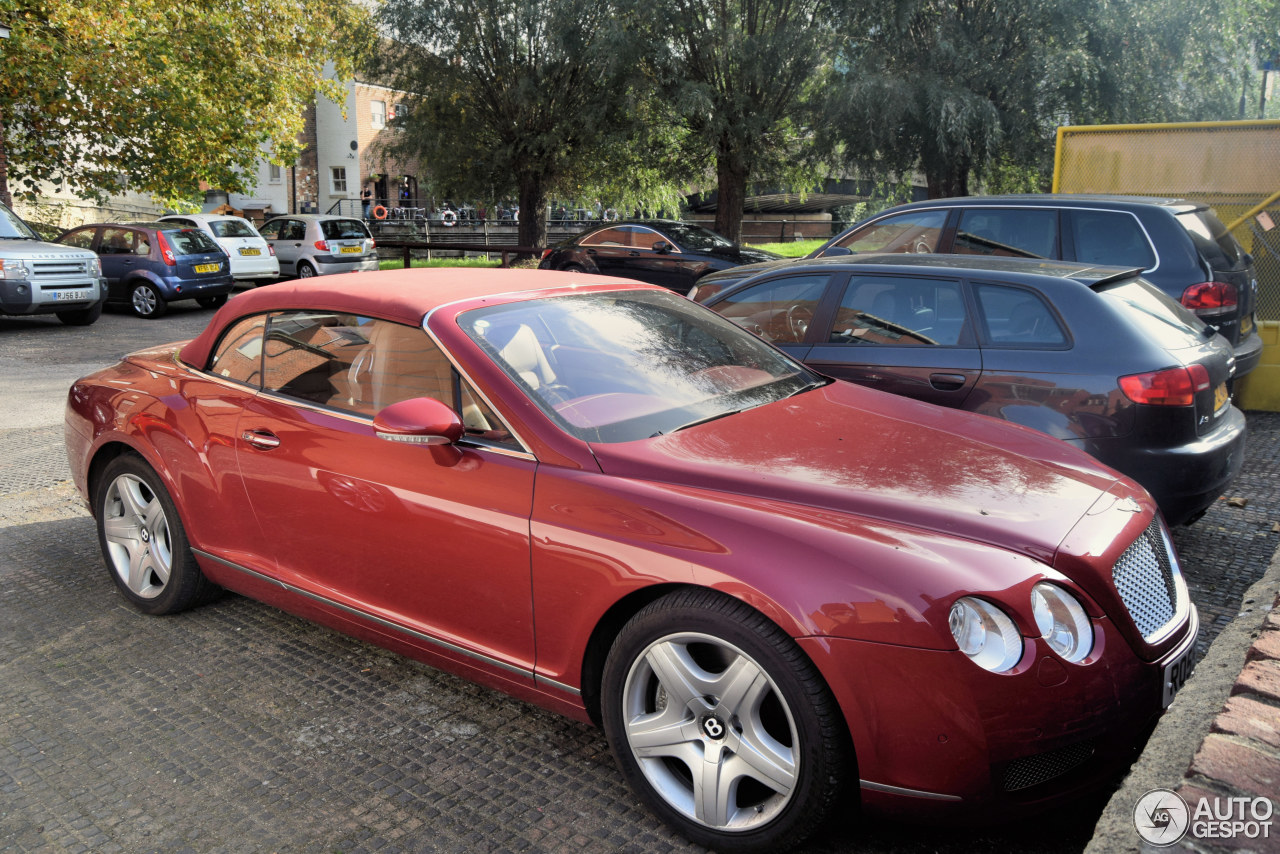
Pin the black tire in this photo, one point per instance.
(305, 270)
(573, 268)
(81, 316)
(215, 301)
(143, 541)
(146, 301)
(696, 637)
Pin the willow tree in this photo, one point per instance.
(744, 77)
(159, 95)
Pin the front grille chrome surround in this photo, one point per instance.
(1149, 580)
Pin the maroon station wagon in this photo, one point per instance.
(774, 591)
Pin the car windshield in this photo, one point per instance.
(1170, 324)
(617, 367)
(190, 241)
(231, 228)
(11, 225)
(343, 229)
(695, 236)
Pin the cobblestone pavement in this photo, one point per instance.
(237, 728)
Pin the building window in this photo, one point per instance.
(274, 173)
(400, 111)
(378, 114)
(339, 179)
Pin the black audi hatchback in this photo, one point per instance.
(1181, 247)
(1096, 356)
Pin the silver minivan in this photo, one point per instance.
(309, 245)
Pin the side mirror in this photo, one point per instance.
(418, 421)
(662, 247)
(833, 251)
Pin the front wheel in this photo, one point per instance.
(143, 541)
(722, 724)
(147, 302)
(81, 316)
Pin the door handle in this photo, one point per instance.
(263, 440)
(947, 382)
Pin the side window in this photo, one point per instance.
(270, 230)
(780, 310)
(82, 239)
(609, 237)
(900, 312)
(179, 221)
(1018, 317)
(116, 241)
(294, 230)
(917, 231)
(1018, 233)
(1110, 237)
(239, 354)
(143, 244)
(645, 238)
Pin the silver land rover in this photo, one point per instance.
(46, 278)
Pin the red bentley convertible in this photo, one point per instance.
(772, 590)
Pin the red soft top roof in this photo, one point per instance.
(404, 296)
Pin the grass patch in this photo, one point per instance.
(397, 263)
(795, 249)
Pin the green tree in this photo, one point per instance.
(745, 79)
(529, 96)
(958, 88)
(159, 95)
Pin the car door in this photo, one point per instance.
(611, 251)
(654, 258)
(909, 335)
(432, 542)
(117, 250)
(287, 237)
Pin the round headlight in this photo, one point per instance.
(1062, 622)
(985, 634)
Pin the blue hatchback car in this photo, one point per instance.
(150, 264)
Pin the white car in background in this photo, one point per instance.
(252, 258)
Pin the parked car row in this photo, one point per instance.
(779, 594)
(147, 265)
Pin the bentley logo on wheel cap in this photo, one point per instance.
(712, 726)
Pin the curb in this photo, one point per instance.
(1187, 745)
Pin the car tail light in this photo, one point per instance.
(372, 243)
(1209, 299)
(165, 252)
(1171, 387)
(272, 250)
(322, 245)
(546, 252)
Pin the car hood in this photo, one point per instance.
(875, 455)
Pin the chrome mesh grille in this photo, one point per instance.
(1034, 770)
(1144, 578)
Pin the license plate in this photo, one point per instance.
(1177, 672)
(1220, 396)
(250, 251)
(70, 296)
(208, 268)
(351, 250)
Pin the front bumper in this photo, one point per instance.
(936, 735)
(22, 297)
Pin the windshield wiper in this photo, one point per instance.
(812, 384)
(695, 422)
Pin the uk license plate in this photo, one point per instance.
(244, 251)
(208, 268)
(1177, 672)
(351, 250)
(1220, 396)
(70, 296)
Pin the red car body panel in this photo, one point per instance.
(850, 518)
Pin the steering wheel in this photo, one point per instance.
(798, 319)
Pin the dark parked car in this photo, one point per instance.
(1095, 356)
(674, 255)
(151, 264)
(777, 593)
(1181, 246)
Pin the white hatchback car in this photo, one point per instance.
(252, 258)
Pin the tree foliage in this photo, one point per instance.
(158, 95)
(743, 78)
(523, 95)
(964, 87)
